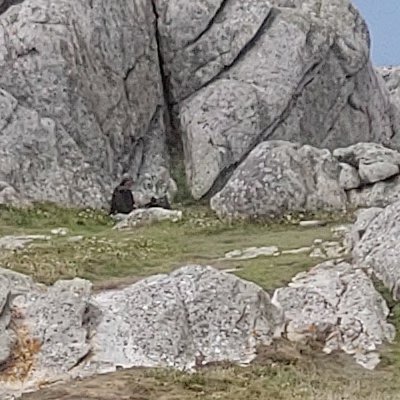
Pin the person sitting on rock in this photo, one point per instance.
(122, 201)
(161, 203)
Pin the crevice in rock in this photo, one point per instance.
(173, 137)
(9, 3)
(211, 22)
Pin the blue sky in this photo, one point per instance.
(383, 19)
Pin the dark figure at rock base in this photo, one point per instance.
(162, 203)
(122, 201)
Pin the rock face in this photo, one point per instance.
(191, 317)
(240, 72)
(85, 87)
(81, 98)
(378, 248)
(280, 177)
(339, 306)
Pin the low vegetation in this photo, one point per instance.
(91, 249)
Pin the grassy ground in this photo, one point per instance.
(107, 257)
(111, 258)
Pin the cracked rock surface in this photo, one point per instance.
(241, 72)
(338, 305)
(378, 248)
(92, 90)
(191, 317)
(81, 98)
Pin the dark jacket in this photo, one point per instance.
(122, 201)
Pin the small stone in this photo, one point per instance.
(59, 231)
(252, 252)
(311, 224)
(301, 250)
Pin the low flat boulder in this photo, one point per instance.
(147, 216)
(252, 252)
(19, 242)
(337, 305)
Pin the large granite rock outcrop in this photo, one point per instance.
(81, 98)
(241, 72)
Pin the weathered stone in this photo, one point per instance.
(377, 171)
(81, 98)
(147, 216)
(329, 250)
(59, 231)
(240, 72)
(378, 250)
(19, 242)
(312, 223)
(349, 177)
(339, 306)
(252, 252)
(278, 177)
(380, 194)
(194, 315)
(367, 153)
(364, 218)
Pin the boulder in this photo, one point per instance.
(378, 249)
(278, 177)
(147, 216)
(337, 305)
(193, 316)
(81, 99)
(240, 72)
